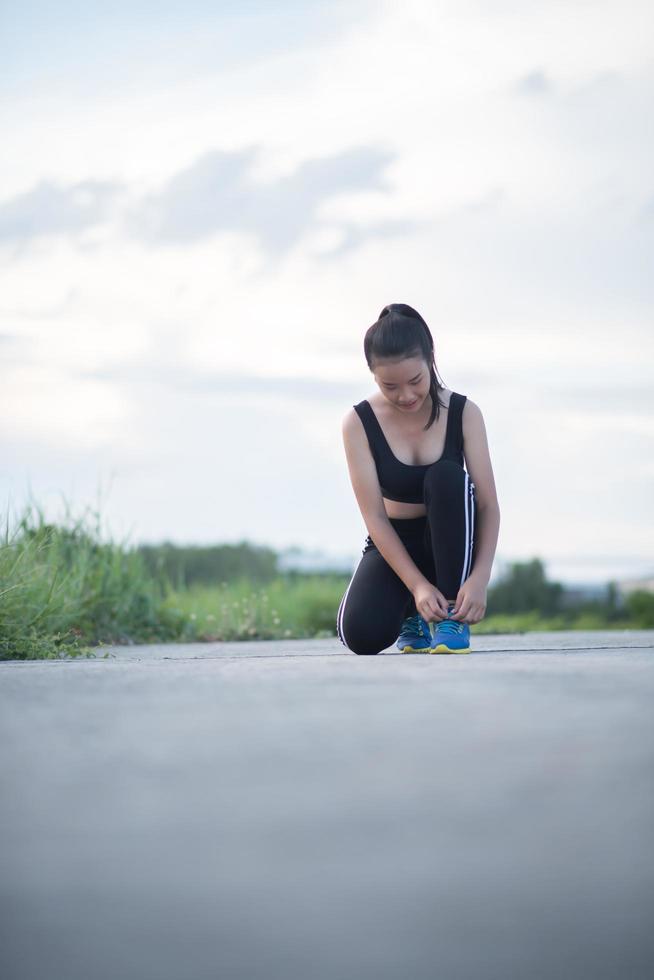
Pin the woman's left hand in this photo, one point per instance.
(470, 604)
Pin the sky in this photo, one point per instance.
(203, 207)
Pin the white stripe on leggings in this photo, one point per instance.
(470, 527)
(341, 609)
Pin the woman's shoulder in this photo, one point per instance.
(469, 406)
(351, 413)
(472, 420)
(351, 421)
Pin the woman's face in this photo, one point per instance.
(404, 383)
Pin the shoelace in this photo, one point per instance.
(450, 626)
(413, 626)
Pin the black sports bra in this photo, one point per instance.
(404, 481)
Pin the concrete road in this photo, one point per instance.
(290, 810)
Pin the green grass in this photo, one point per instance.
(242, 610)
(62, 588)
(528, 622)
(64, 592)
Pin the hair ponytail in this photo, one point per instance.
(401, 332)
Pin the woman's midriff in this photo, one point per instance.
(396, 508)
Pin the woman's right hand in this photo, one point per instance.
(430, 602)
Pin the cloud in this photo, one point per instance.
(352, 236)
(217, 193)
(52, 209)
(534, 83)
(16, 349)
(173, 377)
(647, 211)
(560, 393)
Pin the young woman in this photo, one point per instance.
(433, 525)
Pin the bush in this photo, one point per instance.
(640, 605)
(62, 588)
(524, 588)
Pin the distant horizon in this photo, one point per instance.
(591, 570)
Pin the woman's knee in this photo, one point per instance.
(443, 478)
(372, 608)
(359, 640)
(444, 472)
(363, 643)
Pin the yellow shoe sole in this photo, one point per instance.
(441, 648)
(415, 650)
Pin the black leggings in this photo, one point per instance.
(442, 545)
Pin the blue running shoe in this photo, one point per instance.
(415, 636)
(450, 636)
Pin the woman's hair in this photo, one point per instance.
(401, 332)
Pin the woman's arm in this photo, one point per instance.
(478, 464)
(365, 483)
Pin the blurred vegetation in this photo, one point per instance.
(186, 566)
(65, 592)
(62, 587)
(524, 588)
